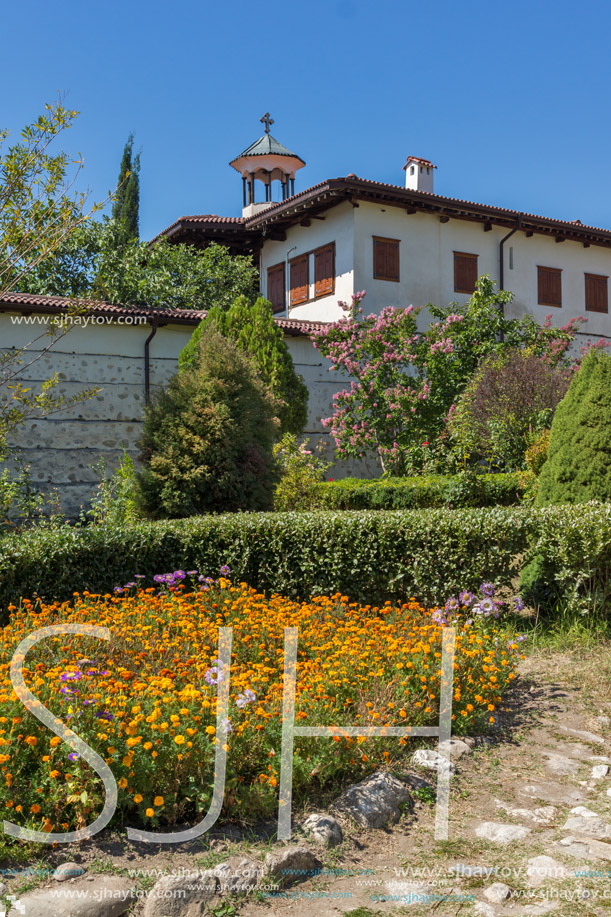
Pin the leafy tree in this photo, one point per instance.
(251, 326)
(207, 439)
(404, 385)
(95, 263)
(126, 207)
(512, 395)
(39, 213)
(578, 466)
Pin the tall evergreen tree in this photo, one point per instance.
(578, 466)
(126, 208)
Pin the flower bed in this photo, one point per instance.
(146, 700)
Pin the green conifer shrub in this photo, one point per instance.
(578, 466)
(208, 438)
(251, 326)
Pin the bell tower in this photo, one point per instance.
(266, 161)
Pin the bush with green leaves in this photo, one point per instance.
(301, 469)
(511, 397)
(115, 500)
(578, 466)
(368, 556)
(419, 491)
(207, 439)
(252, 328)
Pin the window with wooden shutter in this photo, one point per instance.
(385, 259)
(596, 293)
(276, 287)
(300, 281)
(465, 272)
(549, 281)
(324, 270)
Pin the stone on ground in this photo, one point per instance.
(582, 734)
(375, 801)
(497, 893)
(181, 896)
(454, 748)
(554, 793)
(67, 871)
(107, 896)
(560, 764)
(501, 833)
(431, 760)
(590, 827)
(585, 813)
(237, 875)
(324, 829)
(543, 815)
(292, 864)
(600, 771)
(543, 869)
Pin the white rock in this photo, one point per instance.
(454, 748)
(603, 720)
(431, 760)
(543, 815)
(375, 801)
(609, 791)
(543, 868)
(585, 813)
(600, 771)
(237, 876)
(323, 829)
(500, 833)
(106, 896)
(292, 864)
(181, 896)
(559, 764)
(590, 827)
(498, 892)
(582, 734)
(485, 909)
(67, 871)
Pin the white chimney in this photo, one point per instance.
(419, 174)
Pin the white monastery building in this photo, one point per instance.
(404, 244)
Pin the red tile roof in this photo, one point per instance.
(30, 302)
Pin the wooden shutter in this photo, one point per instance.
(324, 270)
(385, 259)
(549, 281)
(299, 280)
(275, 287)
(465, 272)
(596, 293)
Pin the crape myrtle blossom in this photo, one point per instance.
(402, 384)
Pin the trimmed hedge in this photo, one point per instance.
(369, 556)
(422, 491)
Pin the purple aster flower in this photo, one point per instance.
(487, 589)
(226, 726)
(439, 617)
(118, 589)
(179, 574)
(73, 756)
(104, 715)
(520, 606)
(159, 578)
(191, 572)
(140, 576)
(452, 604)
(248, 697)
(225, 571)
(477, 609)
(70, 676)
(487, 606)
(466, 598)
(214, 675)
(469, 622)
(521, 638)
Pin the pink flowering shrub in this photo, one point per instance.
(403, 385)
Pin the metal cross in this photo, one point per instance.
(267, 121)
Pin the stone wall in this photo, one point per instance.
(62, 449)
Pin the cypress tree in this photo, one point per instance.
(126, 208)
(578, 466)
(252, 328)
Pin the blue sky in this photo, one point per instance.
(510, 100)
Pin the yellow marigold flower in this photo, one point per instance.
(210, 730)
(150, 813)
(180, 740)
(35, 809)
(158, 801)
(137, 798)
(54, 741)
(31, 740)
(147, 746)
(122, 783)
(54, 774)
